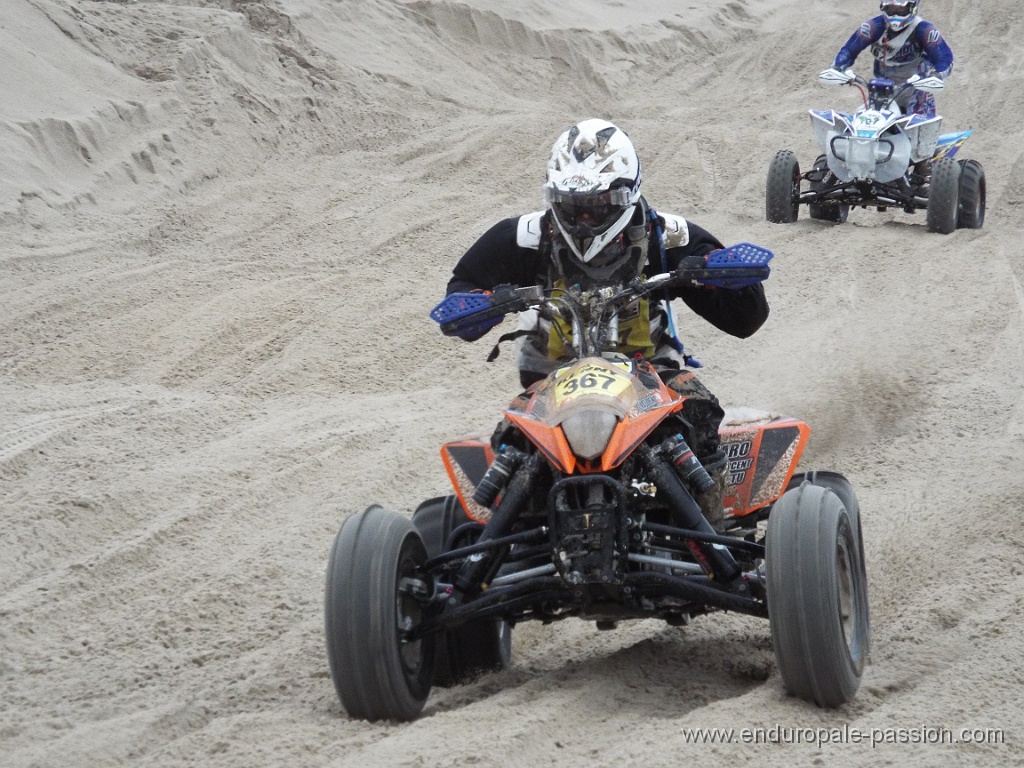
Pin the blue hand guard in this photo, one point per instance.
(739, 256)
(475, 331)
(455, 315)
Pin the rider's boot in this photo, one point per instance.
(711, 500)
(923, 172)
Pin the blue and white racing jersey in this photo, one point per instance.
(919, 49)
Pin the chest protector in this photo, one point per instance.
(642, 326)
(898, 56)
(634, 331)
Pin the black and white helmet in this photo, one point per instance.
(593, 188)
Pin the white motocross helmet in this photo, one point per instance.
(898, 13)
(592, 188)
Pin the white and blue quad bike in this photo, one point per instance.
(880, 157)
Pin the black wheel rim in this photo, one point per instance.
(847, 595)
(408, 614)
(794, 192)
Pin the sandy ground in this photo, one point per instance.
(222, 225)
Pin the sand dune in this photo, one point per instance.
(223, 225)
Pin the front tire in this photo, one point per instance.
(842, 488)
(817, 596)
(972, 195)
(367, 610)
(944, 196)
(476, 647)
(782, 193)
(834, 213)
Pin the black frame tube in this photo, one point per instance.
(687, 513)
(519, 488)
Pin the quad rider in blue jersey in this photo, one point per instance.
(905, 47)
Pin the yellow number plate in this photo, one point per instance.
(591, 380)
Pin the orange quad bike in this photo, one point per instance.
(585, 507)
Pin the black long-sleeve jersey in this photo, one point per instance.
(497, 258)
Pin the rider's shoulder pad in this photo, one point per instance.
(677, 231)
(528, 230)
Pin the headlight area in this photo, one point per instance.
(589, 431)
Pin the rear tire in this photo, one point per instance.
(817, 596)
(377, 675)
(944, 196)
(972, 195)
(834, 213)
(782, 193)
(476, 647)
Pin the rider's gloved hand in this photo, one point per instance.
(504, 293)
(690, 263)
(693, 262)
(475, 331)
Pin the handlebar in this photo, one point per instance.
(931, 83)
(731, 268)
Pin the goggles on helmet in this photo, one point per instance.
(588, 213)
(898, 9)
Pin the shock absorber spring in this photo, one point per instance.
(687, 466)
(497, 475)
